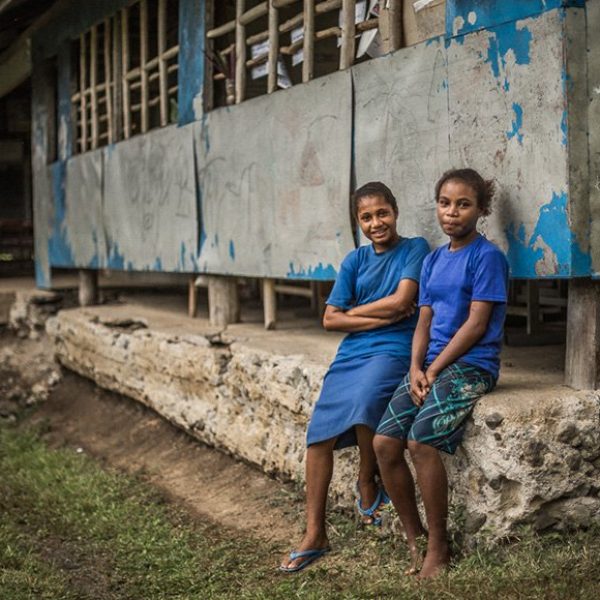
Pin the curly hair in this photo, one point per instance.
(484, 189)
(373, 188)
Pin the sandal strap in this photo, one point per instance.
(369, 512)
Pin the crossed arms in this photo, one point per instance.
(385, 311)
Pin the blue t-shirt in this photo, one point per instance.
(366, 276)
(450, 281)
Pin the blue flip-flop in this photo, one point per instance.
(380, 501)
(309, 557)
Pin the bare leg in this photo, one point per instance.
(400, 487)
(367, 468)
(319, 469)
(433, 483)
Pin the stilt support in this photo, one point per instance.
(88, 287)
(223, 300)
(582, 367)
(269, 303)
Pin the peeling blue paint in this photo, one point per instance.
(59, 250)
(325, 273)
(516, 124)
(231, 250)
(42, 279)
(157, 264)
(496, 12)
(563, 128)
(505, 38)
(552, 228)
(191, 58)
(116, 260)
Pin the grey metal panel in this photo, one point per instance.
(401, 130)
(274, 177)
(150, 211)
(507, 104)
(84, 231)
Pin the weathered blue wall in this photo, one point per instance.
(502, 93)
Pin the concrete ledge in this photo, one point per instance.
(531, 453)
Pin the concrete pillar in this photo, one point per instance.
(88, 287)
(582, 365)
(223, 300)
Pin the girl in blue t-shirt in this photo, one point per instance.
(373, 301)
(455, 360)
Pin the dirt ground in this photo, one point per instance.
(129, 437)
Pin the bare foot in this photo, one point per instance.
(368, 491)
(309, 542)
(435, 563)
(417, 549)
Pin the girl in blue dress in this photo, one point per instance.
(455, 360)
(373, 300)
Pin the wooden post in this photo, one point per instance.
(117, 87)
(94, 83)
(88, 287)
(143, 61)
(390, 24)
(269, 303)
(124, 70)
(273, 48)
(209, 70)
(223, 301)
(240, 53)
(108, 83)
(308, 47)
(192, 297)
(82, 90)
(162, 63)
(348, 32)
(533, 306)
(582, 363)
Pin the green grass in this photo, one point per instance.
(72, 529)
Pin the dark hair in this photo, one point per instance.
(484, 189)
(373, 188)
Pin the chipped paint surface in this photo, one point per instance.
(82, 225)
(279, 191)
(150, 201)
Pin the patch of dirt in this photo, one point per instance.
(130, 437)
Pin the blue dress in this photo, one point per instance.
(369, 365)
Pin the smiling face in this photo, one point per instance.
(458, 212)
(377, 219)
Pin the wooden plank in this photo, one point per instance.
(162, 63)
(348, 32)
(309, 41)
(125, 68)
(108, 82)
(82, 87)
(240, 53)
(192, 297)
(257, 38)
(390, 25)
(273, 48)
(143, 60)
(221, 30)
(281, 3)
(291, 23)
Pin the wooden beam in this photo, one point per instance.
(223, 301)
(94, 83)
(209, 69)
(240, 53)
(221, 30)
(348, 33)
(88, 287)
(145, 118)
(309, 40)
(117, 86)
(192, 297)
(260, 10)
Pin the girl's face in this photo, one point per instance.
(458, 212)
(377, 220)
